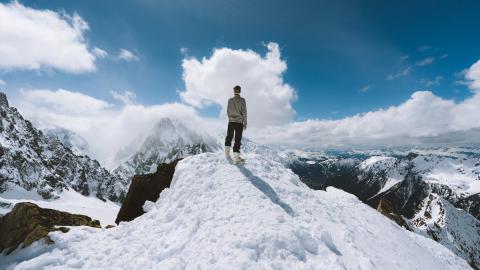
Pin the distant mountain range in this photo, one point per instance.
(434, 192)
(49, 160)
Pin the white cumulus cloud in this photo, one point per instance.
(211, 80)
(32, 39)
(424, 116)
(472, 75)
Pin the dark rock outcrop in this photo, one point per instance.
(385, 207)
(28, 222)
(471, 204)
(145, 187)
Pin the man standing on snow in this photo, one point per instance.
(237, 122)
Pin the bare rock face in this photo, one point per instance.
(28, 222)
(386, 208)
(145, 187)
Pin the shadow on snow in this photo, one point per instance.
(265, 188)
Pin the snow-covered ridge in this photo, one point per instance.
(450, 226)
(33, 161)
(217, 215)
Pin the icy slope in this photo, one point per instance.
(259, 216)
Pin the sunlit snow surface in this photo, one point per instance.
(68, 201)
(217, 215)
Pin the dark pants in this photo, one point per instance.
(237, 129)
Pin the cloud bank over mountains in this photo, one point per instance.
(108, 127)
(56, 40)
(423, 118)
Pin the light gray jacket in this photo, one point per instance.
(237, 110)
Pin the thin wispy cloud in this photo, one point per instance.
(127, 55)
(99, 52)
(365, 88)
(425, 62)
(424, 48)
(404, 72)
(2, 82)
(184, 50)
(431, 82)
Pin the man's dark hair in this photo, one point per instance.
(237, 89)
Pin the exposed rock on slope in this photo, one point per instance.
(33, 161)
(27, 223)
(451, 227)
(145, 187)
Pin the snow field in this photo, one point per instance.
(68, 201)
(217, 215)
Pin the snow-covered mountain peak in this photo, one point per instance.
(377, 162)
(35, 162)
(167, 140)
(217, 215)
(70, 139)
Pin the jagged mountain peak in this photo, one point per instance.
(70, 139)
(167, 140)
(3, 100)
(35, 162)
(170, 130)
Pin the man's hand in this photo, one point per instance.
(244, 126)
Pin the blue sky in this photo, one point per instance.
(333, 50)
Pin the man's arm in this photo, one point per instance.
(244, 112)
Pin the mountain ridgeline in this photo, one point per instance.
(433, 193)
(35, 162)
(50, 161)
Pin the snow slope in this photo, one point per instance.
(68, 201)
(258, 216)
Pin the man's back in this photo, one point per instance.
(237, 110)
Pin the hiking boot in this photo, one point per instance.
(237, 158)
(227, 151)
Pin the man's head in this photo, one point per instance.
(237, 89)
